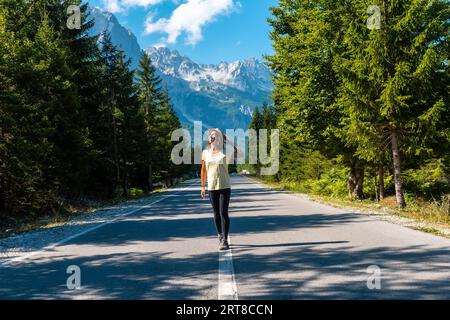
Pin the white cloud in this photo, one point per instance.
(141, 3)
(112, 5)
(116, 6)
(190, 18)
(159, 45)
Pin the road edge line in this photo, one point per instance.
(79, 234)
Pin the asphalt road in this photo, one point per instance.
(283, 247)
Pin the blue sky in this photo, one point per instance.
(207, 31)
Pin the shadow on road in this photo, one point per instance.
(341, 272)
(113, 276)
(324, 269)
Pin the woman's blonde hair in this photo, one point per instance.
(224, 141)
(220, 135)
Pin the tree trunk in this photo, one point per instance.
(125, 183)
(116, 150)
(125, 176)
(150, 180)
(2, 179)
(375, 184)
(2, 193)
(381, 190)
(397, 169)
(356, 180)
(115, 142)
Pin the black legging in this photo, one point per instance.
(220, 200)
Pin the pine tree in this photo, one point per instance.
(131, 125)
(167, 121)
(307, 38)
(71, 122)
(392, 80)
(256, 123)
(268, 116)
(371, 97)
(32, 93)
(110, 113)
(149, 84)
(83, 59)
(149, 95)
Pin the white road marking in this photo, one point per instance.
(227, 281)
(33, 253)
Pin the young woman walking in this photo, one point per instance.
(215, 171)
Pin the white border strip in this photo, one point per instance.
(227, 281)
(50, 247)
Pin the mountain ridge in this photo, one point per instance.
(227, 73)
(220, 95)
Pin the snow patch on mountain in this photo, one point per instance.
(222, 95)
(248, 75)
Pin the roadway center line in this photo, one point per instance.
(65, 240)
(227, 281)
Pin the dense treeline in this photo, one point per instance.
(74, 119)
(355, 102)
(264, 119)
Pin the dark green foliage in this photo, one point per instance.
(375, 100)
(161, 120)
(72, 121)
